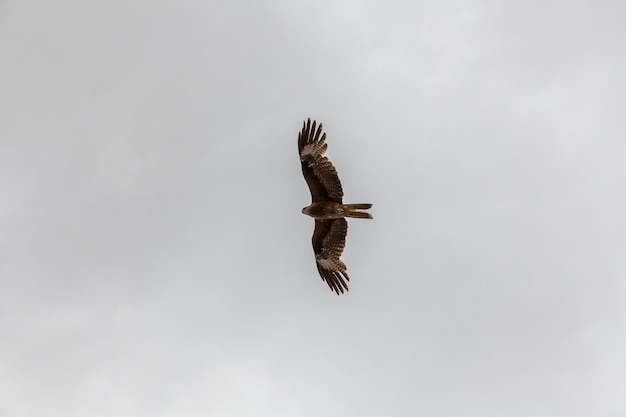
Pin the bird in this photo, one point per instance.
(327, 208)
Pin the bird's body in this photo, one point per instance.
(326, 207)
(332, 210)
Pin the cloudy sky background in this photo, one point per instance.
(154, 260)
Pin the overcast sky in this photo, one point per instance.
(154, 260)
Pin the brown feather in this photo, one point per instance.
(329, 240)
(319, 173)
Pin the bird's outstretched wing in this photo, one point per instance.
(319, 172)
(329, 239)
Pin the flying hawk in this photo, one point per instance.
(327, 208)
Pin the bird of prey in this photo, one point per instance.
(327, 208)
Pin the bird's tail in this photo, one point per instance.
(354, 210)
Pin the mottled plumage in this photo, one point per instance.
(327, 208)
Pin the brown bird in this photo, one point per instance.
(327, 208)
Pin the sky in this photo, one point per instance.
(154, 260)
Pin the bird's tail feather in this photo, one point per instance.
(354, 210)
